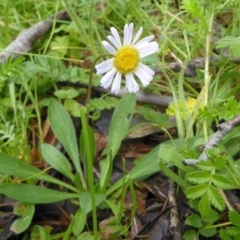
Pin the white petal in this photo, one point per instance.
(109, 47)
(107, 78)
(114, 41)
(143, 76)
(116, 83)
(146, 69)
(139, 32)
(127, 37)
(116, 35)
(104, 66)
(148, 50)
(143, 41)
(131, 83)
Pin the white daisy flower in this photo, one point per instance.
(126, 60)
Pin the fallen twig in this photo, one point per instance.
(223, 130)
(174, 219)
(24, 41)
(199, 63)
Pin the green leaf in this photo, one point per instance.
(215, 198)
(26, 211)
(228, 41)
(222, 182)
(204, 206)
(224, 235)
(233, 231)
(40, 233)
(196, 191)
(18, 168)
(72, 106)
(172, 175)
(86, 201)
(194, 220)
(199, 177)
(62, 126)
(34, 194)
(220, 162)
(79, 221)
(57, 160)
(193, 203)
(170, 155)
(205, 165)
(190, 235)
(85, 236)
(89, 142)
(213, 217)
(234, 217)
(208, 232)
(147, 166)
(121, 120)
(66, 93)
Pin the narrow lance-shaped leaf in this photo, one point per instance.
(57, 160)
(12, 166)
(119, 126)
(34, 194)
(63, 128)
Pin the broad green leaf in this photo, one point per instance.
(204, 206)
(215, 198)
(79, 221)
(193, 203)
(199, 177)
(57, 160)
(208, 232)
(196, 191)
(190, 235)
(62, 126)
(234, 217)
(26, 212)
(222, 182)
(146, 166)
(194, 220)
(34, 194)
(121, 120)
(12, 166)
(86, 201)
(213, 217)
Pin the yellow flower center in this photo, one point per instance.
(126, 59)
